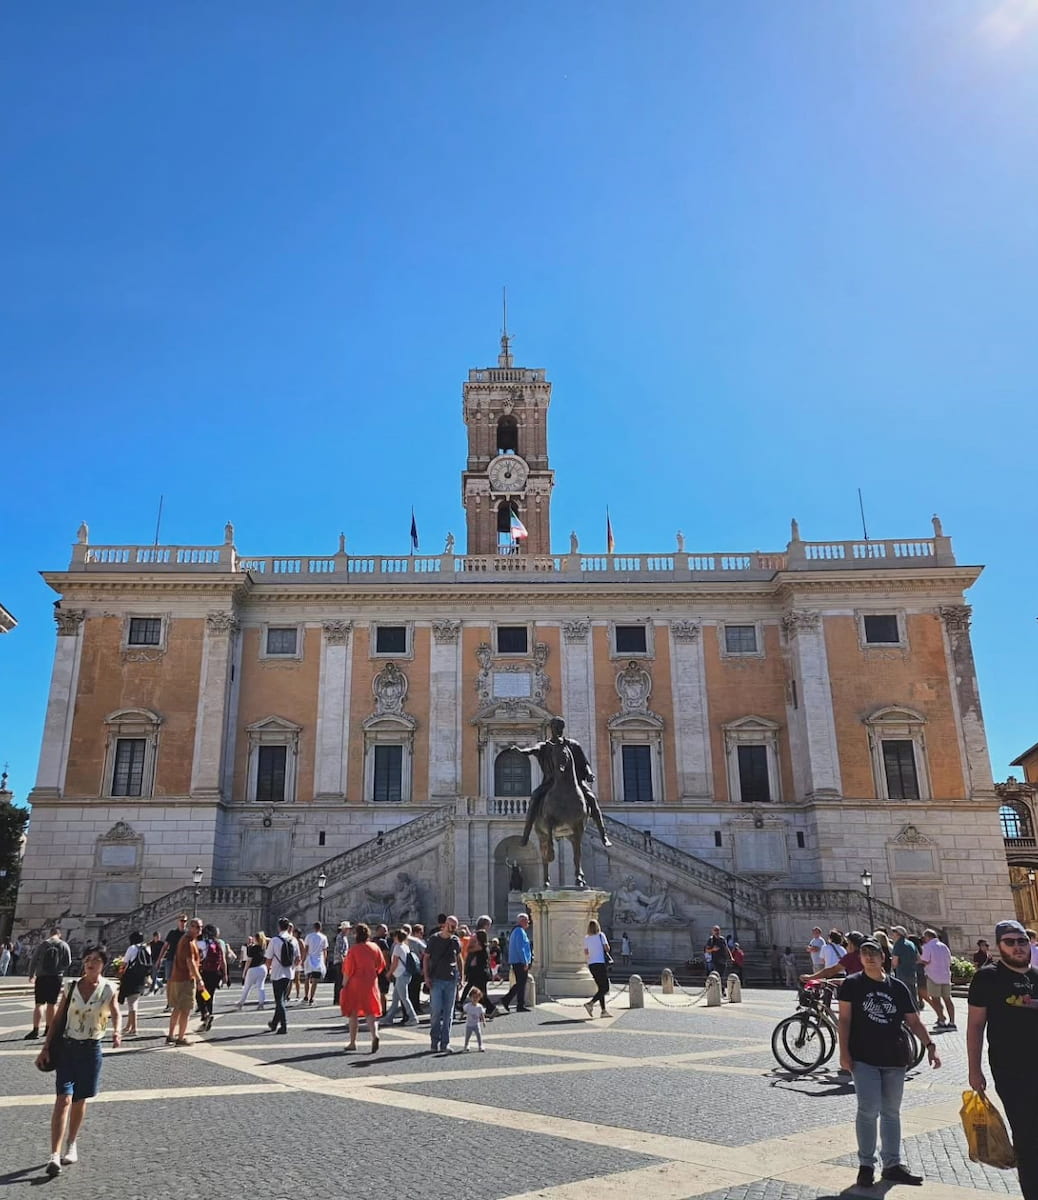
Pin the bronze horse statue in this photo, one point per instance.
(563, 812)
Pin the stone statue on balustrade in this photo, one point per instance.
(632, 906)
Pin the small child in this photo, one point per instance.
(475, 1018)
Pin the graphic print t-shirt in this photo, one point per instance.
(878, 1007)
(1011, 998)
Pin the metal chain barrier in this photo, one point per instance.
(616, 992)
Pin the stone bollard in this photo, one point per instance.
(531, 993)
(636, 991)
(667, 982)
(734, 989)
(713, 990)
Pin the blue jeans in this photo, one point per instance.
(441, 1009)
(401, 1000)
(879, 1091)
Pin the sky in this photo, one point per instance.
(768, 253)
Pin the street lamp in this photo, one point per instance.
(196, 875)
(322, 883)
(866, 883)
(731, 902)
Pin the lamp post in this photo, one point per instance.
(866, 883)
(196, 875)
(731, 903)
(322, 883)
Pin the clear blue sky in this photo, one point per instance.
(768, 252)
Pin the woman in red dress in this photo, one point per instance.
(360, 995)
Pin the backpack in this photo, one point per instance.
(411, 964)
(212, 960)
(50, 959)
(288, 950)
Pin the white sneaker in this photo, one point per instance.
(53, 1166)
(70, 1156)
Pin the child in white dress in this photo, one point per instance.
(475, 1018)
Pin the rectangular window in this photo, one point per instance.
(899, 767)
(630, 639)
(391, 639)
(881, 630)
(128, 776)
(270, 774)
(282, 641)
(800, 840)
(754, 787)
(511, 639)
(145, 631)
(637, 764)
(389, 770)
(740, 639)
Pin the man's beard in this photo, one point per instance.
(1023, 961)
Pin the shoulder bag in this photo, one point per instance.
(605, 951)
(55, 1044)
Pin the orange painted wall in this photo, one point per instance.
(282, 689)
(865, 680)
(108, 682)
(741, 687)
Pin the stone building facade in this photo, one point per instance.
(1018, 817)
(763, 725)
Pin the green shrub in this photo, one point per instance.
(962, 970)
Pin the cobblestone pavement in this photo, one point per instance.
(668, 1102)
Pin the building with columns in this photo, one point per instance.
(328, 733)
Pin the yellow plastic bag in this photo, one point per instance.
(986, 1132)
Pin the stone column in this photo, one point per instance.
(966, 699)
(578, 687)
(444, 710)
(813, 722)
(213, 693)
(691, 717)
(61, 705)
(333, 711)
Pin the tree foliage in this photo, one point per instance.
(13, 821)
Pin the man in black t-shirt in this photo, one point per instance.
(873, 1008)
(442, 971)
(1003, 998)
(169, 951)
(720, 956)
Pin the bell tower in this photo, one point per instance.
(506, 485)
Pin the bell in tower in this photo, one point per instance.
(506, 485)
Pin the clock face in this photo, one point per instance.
(508, 473)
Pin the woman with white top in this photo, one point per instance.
(84, 1013)
(401, 978)
(136, 965)
(595, 950)
(255, 961)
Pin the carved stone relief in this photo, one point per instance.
(576, 631)
(684, 631)
(445, 632)
(798, 620)
(337, 633)
(68, 621)
(222, 622)
(956, 617)
(390, 688)
(634, 686)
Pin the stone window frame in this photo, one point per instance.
(389, 729)
(497, 732)
(131, 723)
(159, 647)
(752, 730)
(531, 763)
(267, 626)
(513, 654)
(650, 639)
(637, 730)
(272, 731)
(722, 639)
(399, 656)
(902, 628)
(895, 722)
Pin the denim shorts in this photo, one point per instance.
(79, 1069)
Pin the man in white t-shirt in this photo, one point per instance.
(282, 959)
(833, 950)
(936, 958)
(815, 947)
(316, 962)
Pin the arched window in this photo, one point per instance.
(1016, 821)
(507, 436)
(511, 774)
(506, 543)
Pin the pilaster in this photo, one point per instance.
(333, 706)
(213, 694)
(691, 716)
(444, 710)
(578, 684)
(965, 693)
(812, 718)
(61, 704)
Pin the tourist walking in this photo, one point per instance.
(5, 958)
(17, 953)
(154, 953)
(134, 979)
(255, 959)
(168, 955)
(720, 956)
(86, 1008)
(442, 970)
(625, 950)
(982, 956)
(401, 960)
(185, 978)
(281, 958)
(50, 960)
(361, 995)
(880, 936)
(789, 967)
(477, 967)
(316, 961)
(873, 1008)
(936, 958)
(1003, 1000)
(475, 1018)
(416, 940)
(213, 968)
(520, 955)
(340, 947)
(596, 954)
(904, 956)
(814, 948)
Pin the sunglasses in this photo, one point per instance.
(1017, 941)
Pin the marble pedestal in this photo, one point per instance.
(559, 925)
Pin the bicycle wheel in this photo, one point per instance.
(801, 1043)
(918, 1049)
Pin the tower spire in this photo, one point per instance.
(504, 359)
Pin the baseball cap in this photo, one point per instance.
(898, 929)
(870, 944)
(1004, 927)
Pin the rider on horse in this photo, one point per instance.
(544, 752)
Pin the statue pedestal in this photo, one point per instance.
(560, 918)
